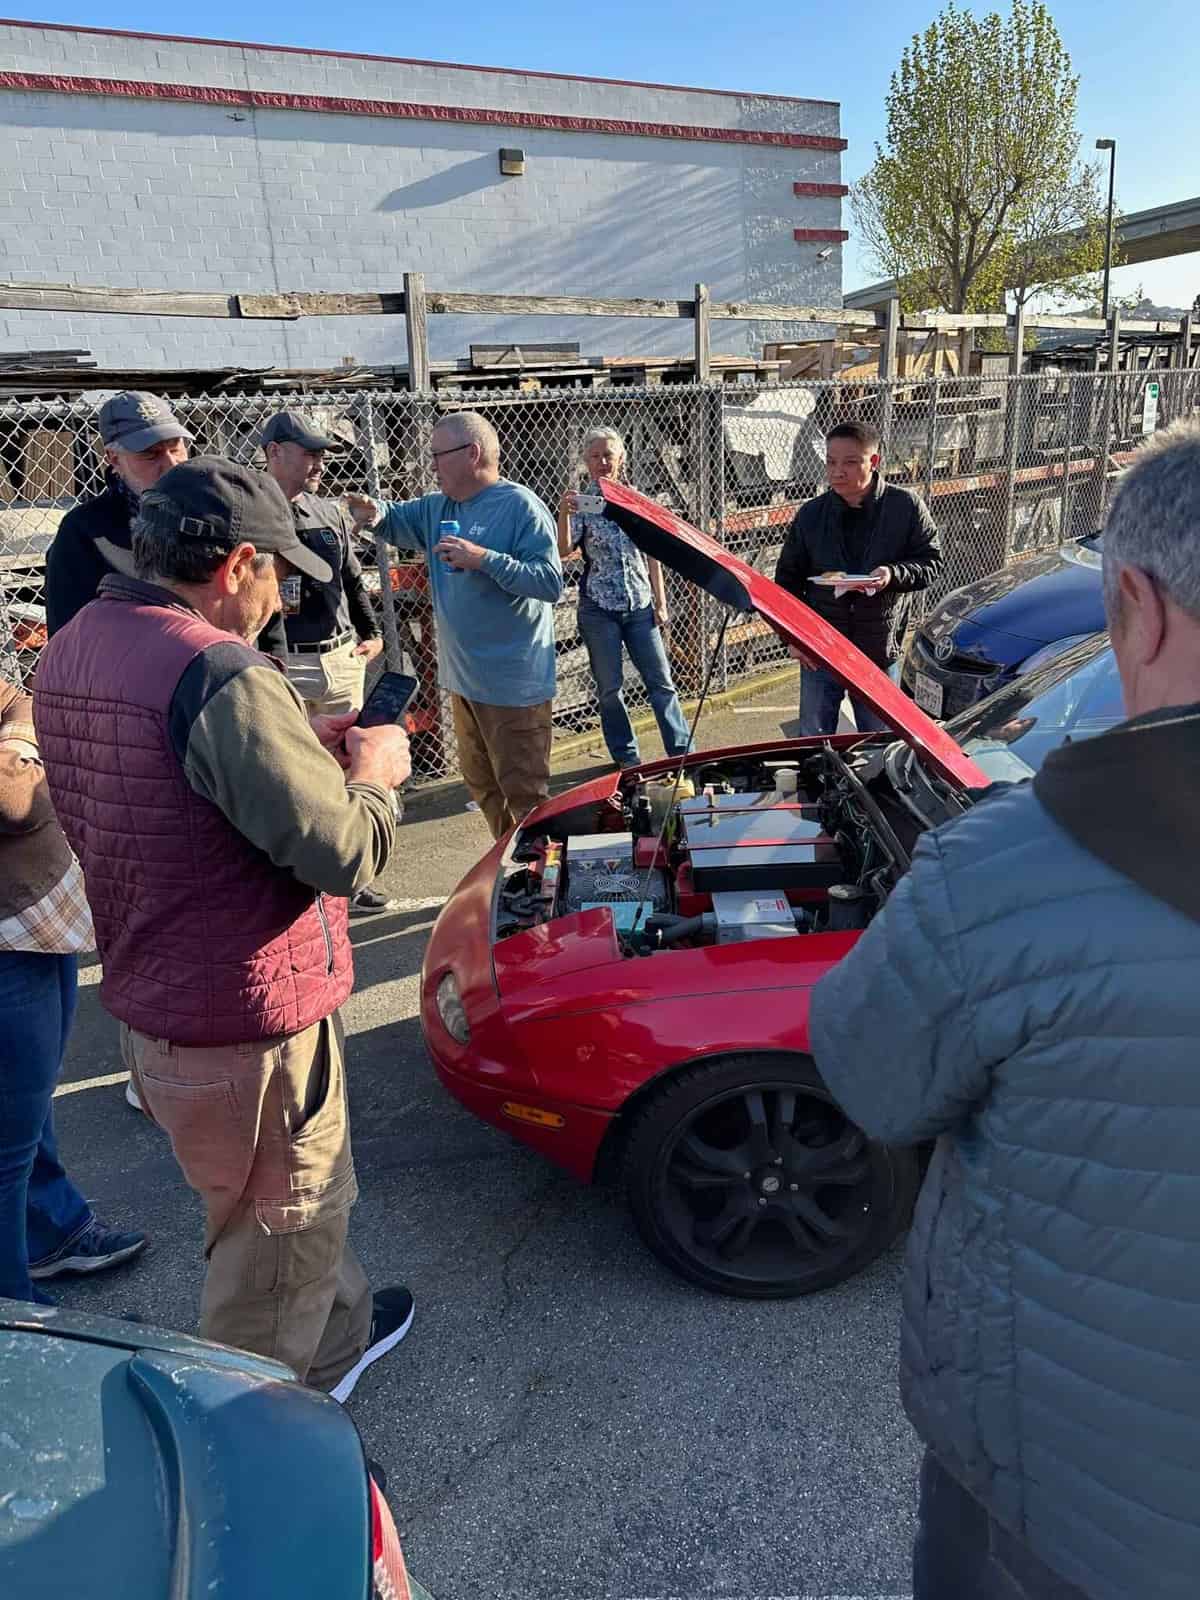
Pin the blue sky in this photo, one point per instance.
(1136, 84)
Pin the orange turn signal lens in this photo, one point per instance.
(534, 1114)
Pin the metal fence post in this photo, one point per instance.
(1012, 428)
(919, 600)
(702, 515)
(1012, 445)
(888, 361)
(1111, 381)
(1065, 511)
(392, 649)
(1182, 406)
(931, 436)
(714, 406)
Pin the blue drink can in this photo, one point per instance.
(448, 530)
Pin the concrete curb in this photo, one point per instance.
(576, 742)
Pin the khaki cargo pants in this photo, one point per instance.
(331, 684)
(504, 756)
(262, 1134)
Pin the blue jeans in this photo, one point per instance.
(40, 1208)
(821, 699)
(604, 633)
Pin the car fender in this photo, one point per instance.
(599, 1046)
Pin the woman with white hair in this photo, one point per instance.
(622, 606)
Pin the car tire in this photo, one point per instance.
(745, 1177)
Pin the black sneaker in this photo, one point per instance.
(96, 1248)
(370, 901)
(391, 1320)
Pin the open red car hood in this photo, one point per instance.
(699, 558)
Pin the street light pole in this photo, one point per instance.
(1111, 146)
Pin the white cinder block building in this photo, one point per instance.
(144, 162)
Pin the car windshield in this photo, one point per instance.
(1075, 696)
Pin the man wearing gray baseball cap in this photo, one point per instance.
(142, 439)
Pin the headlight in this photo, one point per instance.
(450, 1009)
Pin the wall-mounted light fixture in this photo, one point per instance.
(824, 255)
(512, 163)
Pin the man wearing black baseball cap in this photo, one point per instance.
(332, 633)
(220, 842)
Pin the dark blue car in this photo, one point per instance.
(981, 637)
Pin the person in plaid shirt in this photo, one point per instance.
(46, 1226)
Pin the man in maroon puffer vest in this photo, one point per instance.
(220, 834)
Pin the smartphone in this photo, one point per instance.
(589, 505)
(387, 702)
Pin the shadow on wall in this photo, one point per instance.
(647, 238)
(467, 177)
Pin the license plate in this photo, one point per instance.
(928, 695)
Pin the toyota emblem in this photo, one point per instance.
(943, 649)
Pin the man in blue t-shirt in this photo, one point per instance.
(493, 587)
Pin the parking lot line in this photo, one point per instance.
(727, 1596)
(105, 1081)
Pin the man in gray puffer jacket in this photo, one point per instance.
(1030, 997)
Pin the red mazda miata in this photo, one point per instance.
(623, 982)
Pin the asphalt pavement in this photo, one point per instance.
(566, 1420)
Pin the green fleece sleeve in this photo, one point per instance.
(247, 746)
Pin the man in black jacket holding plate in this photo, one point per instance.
(881, 539)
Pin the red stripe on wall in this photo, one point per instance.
(831, 191)
(405, 61)
(819, 235)
(278, 100)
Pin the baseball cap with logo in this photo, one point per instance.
(296, 427)
(215, 501)
(133, 420)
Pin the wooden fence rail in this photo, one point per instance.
(416, 303)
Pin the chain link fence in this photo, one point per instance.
(1009, 466)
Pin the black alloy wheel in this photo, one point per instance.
(746, 1178)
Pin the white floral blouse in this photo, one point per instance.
(615, 577)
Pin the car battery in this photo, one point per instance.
(745, 916)
(767, 844)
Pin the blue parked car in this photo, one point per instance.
(137, 1464)
(984, 635)
(1074, 695)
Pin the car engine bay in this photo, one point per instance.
(724, 851)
